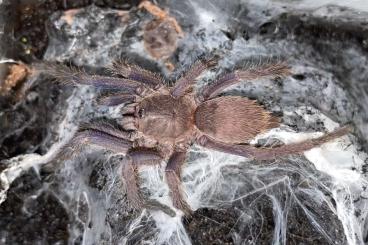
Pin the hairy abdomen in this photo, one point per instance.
(233, 119)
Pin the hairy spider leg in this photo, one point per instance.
(130, 165)
(187, 80)
(116, 99)
(263, 153)
(173, 177)
(98, 134)
(138, 74)
(270, 70)
(69, 75)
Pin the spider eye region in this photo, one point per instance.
(141, 113)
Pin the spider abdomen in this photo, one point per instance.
(233, 119)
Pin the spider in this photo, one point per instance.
(159, 123)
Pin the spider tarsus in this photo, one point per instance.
(136, 73)
(175, 187)
(116, 99)
(276, 69)
(67, 75)
(130, 177)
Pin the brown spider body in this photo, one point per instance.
(233, 119)
(230, 119)
(161, 123)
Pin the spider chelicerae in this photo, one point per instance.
(159, 123)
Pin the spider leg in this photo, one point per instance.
(130, 178)
(187, 81)
(173, 175)
(68, 75)
(276, 69)
(116, 99)
(130, 165)
(138, 74)
(100, 135)
(272, 153)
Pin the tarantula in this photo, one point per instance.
(160, 123)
